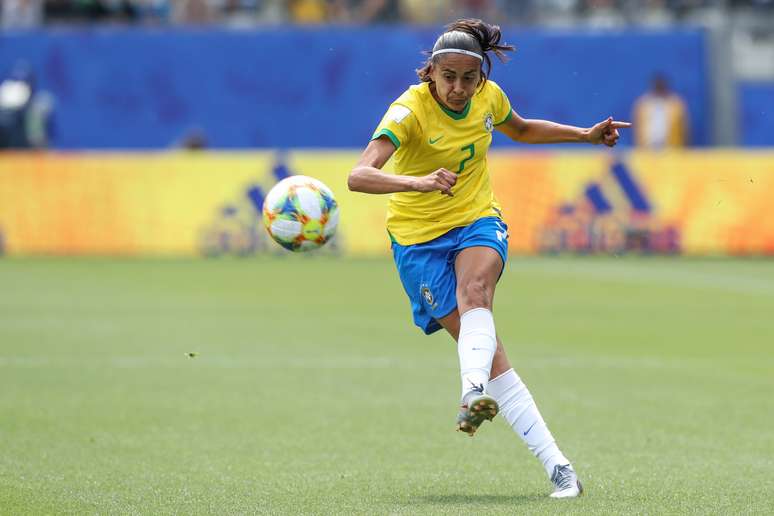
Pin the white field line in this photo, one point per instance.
(597, 366)
(350, 362)
(650, 274)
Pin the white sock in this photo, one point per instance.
(476, 347)
(519, 409)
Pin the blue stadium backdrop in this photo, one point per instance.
(325, 87)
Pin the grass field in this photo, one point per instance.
(312, 392)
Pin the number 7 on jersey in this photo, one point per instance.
(472, 152)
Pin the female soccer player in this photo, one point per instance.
(449, 241)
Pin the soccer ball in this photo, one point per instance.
(300, 213)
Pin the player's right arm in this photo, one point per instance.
(367, 176)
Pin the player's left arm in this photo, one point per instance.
(543, 131)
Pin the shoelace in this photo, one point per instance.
(478, 388)
(562, 477)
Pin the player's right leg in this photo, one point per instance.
(478, 265)
(477, 270)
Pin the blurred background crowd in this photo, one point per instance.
(603, 13)
(708, 89)
(301, 84)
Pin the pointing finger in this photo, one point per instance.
(620, 125)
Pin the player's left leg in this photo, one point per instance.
(480, 350)
(518, 407)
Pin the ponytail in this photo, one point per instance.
(470, 35)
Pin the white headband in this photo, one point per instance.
(456, 51)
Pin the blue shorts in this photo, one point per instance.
(427, 269)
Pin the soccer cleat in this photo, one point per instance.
(477, 407)
(566, 481)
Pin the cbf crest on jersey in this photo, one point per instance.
(489, 122)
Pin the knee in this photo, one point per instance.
(475, 293)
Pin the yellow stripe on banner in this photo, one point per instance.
(117, 204)
(179, 203)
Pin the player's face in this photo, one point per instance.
(456, 78)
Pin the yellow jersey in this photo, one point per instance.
(427, 136)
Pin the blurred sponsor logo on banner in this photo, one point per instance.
(697, 203)
(611, 215)
(712, 202)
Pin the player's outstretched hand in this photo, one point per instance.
(441, 180)
(607, 132)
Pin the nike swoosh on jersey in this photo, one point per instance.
(432, 142)
(530, 428)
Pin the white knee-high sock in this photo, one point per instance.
(476, 347)
(518, 407)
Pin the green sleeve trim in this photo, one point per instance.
(389, 134)
(510, 115)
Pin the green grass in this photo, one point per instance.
(313, 393)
